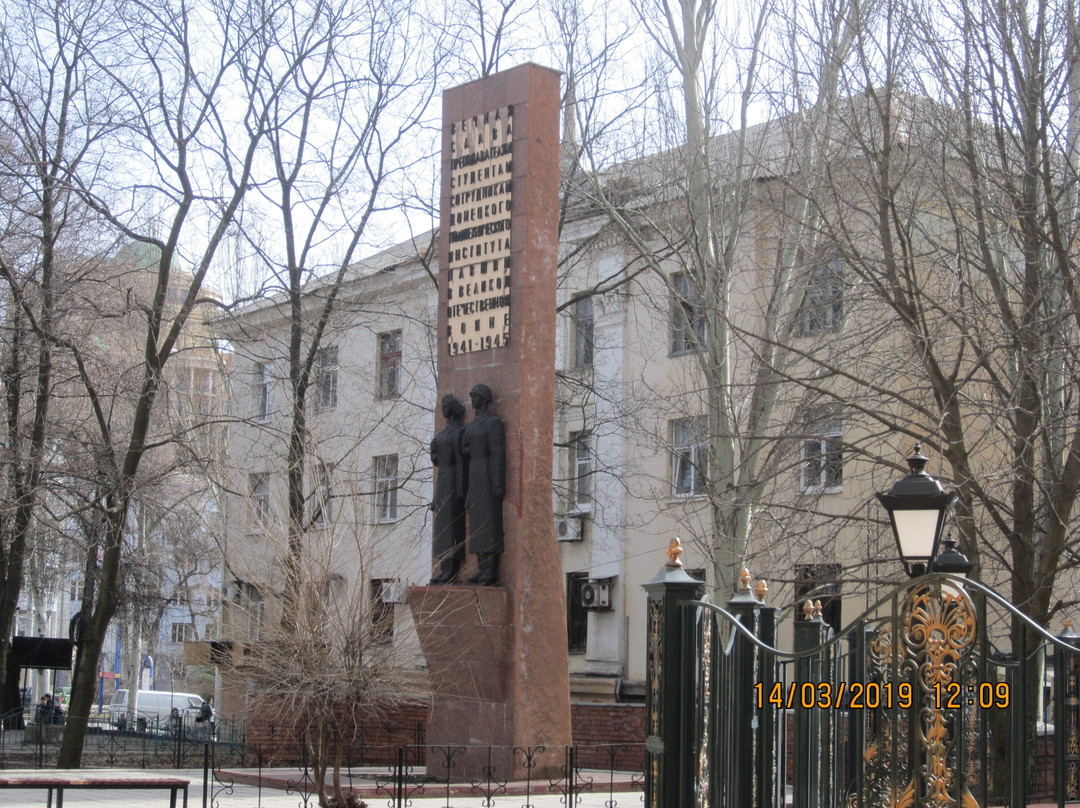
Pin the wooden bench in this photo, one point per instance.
(59, 782)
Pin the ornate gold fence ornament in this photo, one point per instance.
(886, 753)
(939, 631)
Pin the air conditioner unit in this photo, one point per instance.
(569, 528)
(596, 594)
(393, 592)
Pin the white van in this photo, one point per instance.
(153, 707)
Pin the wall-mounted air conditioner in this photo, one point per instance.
(596, 594)
(569, 528)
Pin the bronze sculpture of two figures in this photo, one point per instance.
(470, 481)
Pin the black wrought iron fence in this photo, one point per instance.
(401, 781)
(941, 693)
(149, 742)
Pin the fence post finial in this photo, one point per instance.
(674, 553)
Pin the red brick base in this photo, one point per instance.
(605, 735)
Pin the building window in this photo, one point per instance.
(264, 390)
(583, 332)
(326, 372)
(580, 471)
(577, 617)
(386, 488)
(204, 388)
(819, 582)
(823, 453)
(259, 494)
(382, 610)
(689, 457)
(390, 364)
(256, 609)
(822, 310)
(687, 314)
(182, 632)
(183, 392)
(321, 498)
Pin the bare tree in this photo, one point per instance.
(202, 152)
(324, 661)
(327, 182)
(959, 219)
(687, 215)
(490, 31)
(54, 111)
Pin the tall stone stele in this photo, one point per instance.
(497, 653)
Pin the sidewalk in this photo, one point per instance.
(244, 788)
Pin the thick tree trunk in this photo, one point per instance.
(86, 674)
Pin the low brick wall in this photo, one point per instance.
(609, 735)
(277, 742)
(606, 736)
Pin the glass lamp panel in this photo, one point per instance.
(915, 531)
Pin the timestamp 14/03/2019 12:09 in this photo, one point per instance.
(875, 695)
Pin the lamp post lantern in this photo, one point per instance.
(950, 559)
(917, 506)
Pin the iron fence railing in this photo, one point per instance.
(941, 693)
(149, 742)
(403, 780)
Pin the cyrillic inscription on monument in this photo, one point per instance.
(478, 276)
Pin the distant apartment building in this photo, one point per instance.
(172, 569)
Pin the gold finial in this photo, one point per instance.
(744, 579)
(761, 589)
(674, 551)
(817, 608)
(808, 610)
(1068, 624)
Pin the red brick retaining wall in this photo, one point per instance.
(606, 736)
(609, 735)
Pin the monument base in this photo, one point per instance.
(476, 726)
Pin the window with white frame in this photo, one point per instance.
(321, 498)
(822, 310)
(258, 500)
(182, 632)
(581, 469)
(390, 364)
(687, 314)
(386, 488)
(326, 378)
(823, 452)
(264, 390)
(689, 456)
(583, 332)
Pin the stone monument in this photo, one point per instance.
(496, 651)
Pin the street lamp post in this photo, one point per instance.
(938, 626)
(917, 507)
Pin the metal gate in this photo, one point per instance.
(941, 694)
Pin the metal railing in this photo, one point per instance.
(403, 780)
(148, 742)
